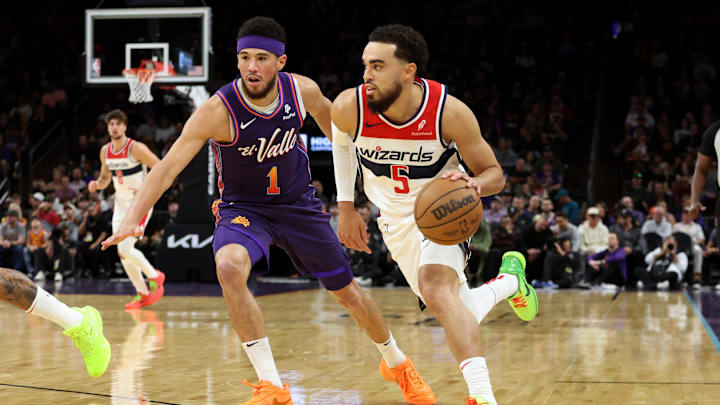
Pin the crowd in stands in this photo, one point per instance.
(671, 105)
(58, 233)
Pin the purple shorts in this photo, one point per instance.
(300, 228)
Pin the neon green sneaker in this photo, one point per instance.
(88, 337)
(477, 400)
(524, 302)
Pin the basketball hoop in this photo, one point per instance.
(140, 82)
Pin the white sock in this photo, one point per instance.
(135, 276)
(391, 352)
(137, 257)
(47, 306)
(261, 357)
(477, 377)
(494, 291)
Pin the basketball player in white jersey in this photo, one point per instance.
(126, 161)
(83, 325)
(407, 131)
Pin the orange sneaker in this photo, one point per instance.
(267, 394)
(414, 389)
(157, 289)
(136, 303)
(160, 279)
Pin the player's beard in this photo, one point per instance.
(381, 104)
(116, 137)
(260, 94)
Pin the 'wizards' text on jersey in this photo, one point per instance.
(266, 162)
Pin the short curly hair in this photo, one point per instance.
(411, 45)
(264, 27)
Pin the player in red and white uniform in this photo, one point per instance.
(126, 161)
(405, 132)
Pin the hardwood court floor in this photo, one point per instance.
(584, 348)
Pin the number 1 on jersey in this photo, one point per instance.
(273, 189)
(402, 178)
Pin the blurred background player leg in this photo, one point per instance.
(83, 325)
(135, 265)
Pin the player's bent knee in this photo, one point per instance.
(435, 293)
(124, 248)
(232, 267)
(432, 297)
(351, 296)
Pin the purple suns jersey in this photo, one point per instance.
(267, 161)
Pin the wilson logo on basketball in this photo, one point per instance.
(452, 206)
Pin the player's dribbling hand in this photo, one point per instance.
(92, 186)
(352, 231)
(458, 175)
(695, 209)
(121, 234)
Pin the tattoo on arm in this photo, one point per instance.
(16, 289)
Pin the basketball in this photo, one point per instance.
(447, 212)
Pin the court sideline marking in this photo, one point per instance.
(710, 332)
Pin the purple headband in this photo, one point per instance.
(256, 41)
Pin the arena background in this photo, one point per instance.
(595, 106)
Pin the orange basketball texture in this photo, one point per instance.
(447, 212)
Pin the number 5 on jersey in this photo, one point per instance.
(399, 173)
(273, 189)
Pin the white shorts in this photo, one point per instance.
(411, 250)
(121, 209)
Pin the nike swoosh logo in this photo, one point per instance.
(251, 344)
(372, 125)
(244, 125)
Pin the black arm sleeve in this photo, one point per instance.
(707, 146)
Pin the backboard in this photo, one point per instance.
(176, 41)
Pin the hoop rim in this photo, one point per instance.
(142, 74)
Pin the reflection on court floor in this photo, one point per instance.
(584, 347)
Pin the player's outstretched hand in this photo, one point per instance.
(470, 182)
(352, 231)
(695, 209)
(125, 231)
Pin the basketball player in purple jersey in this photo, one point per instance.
(266, 198)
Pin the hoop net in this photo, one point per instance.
(140, 82)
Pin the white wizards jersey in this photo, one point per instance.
(397, 160)
(127, 173)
